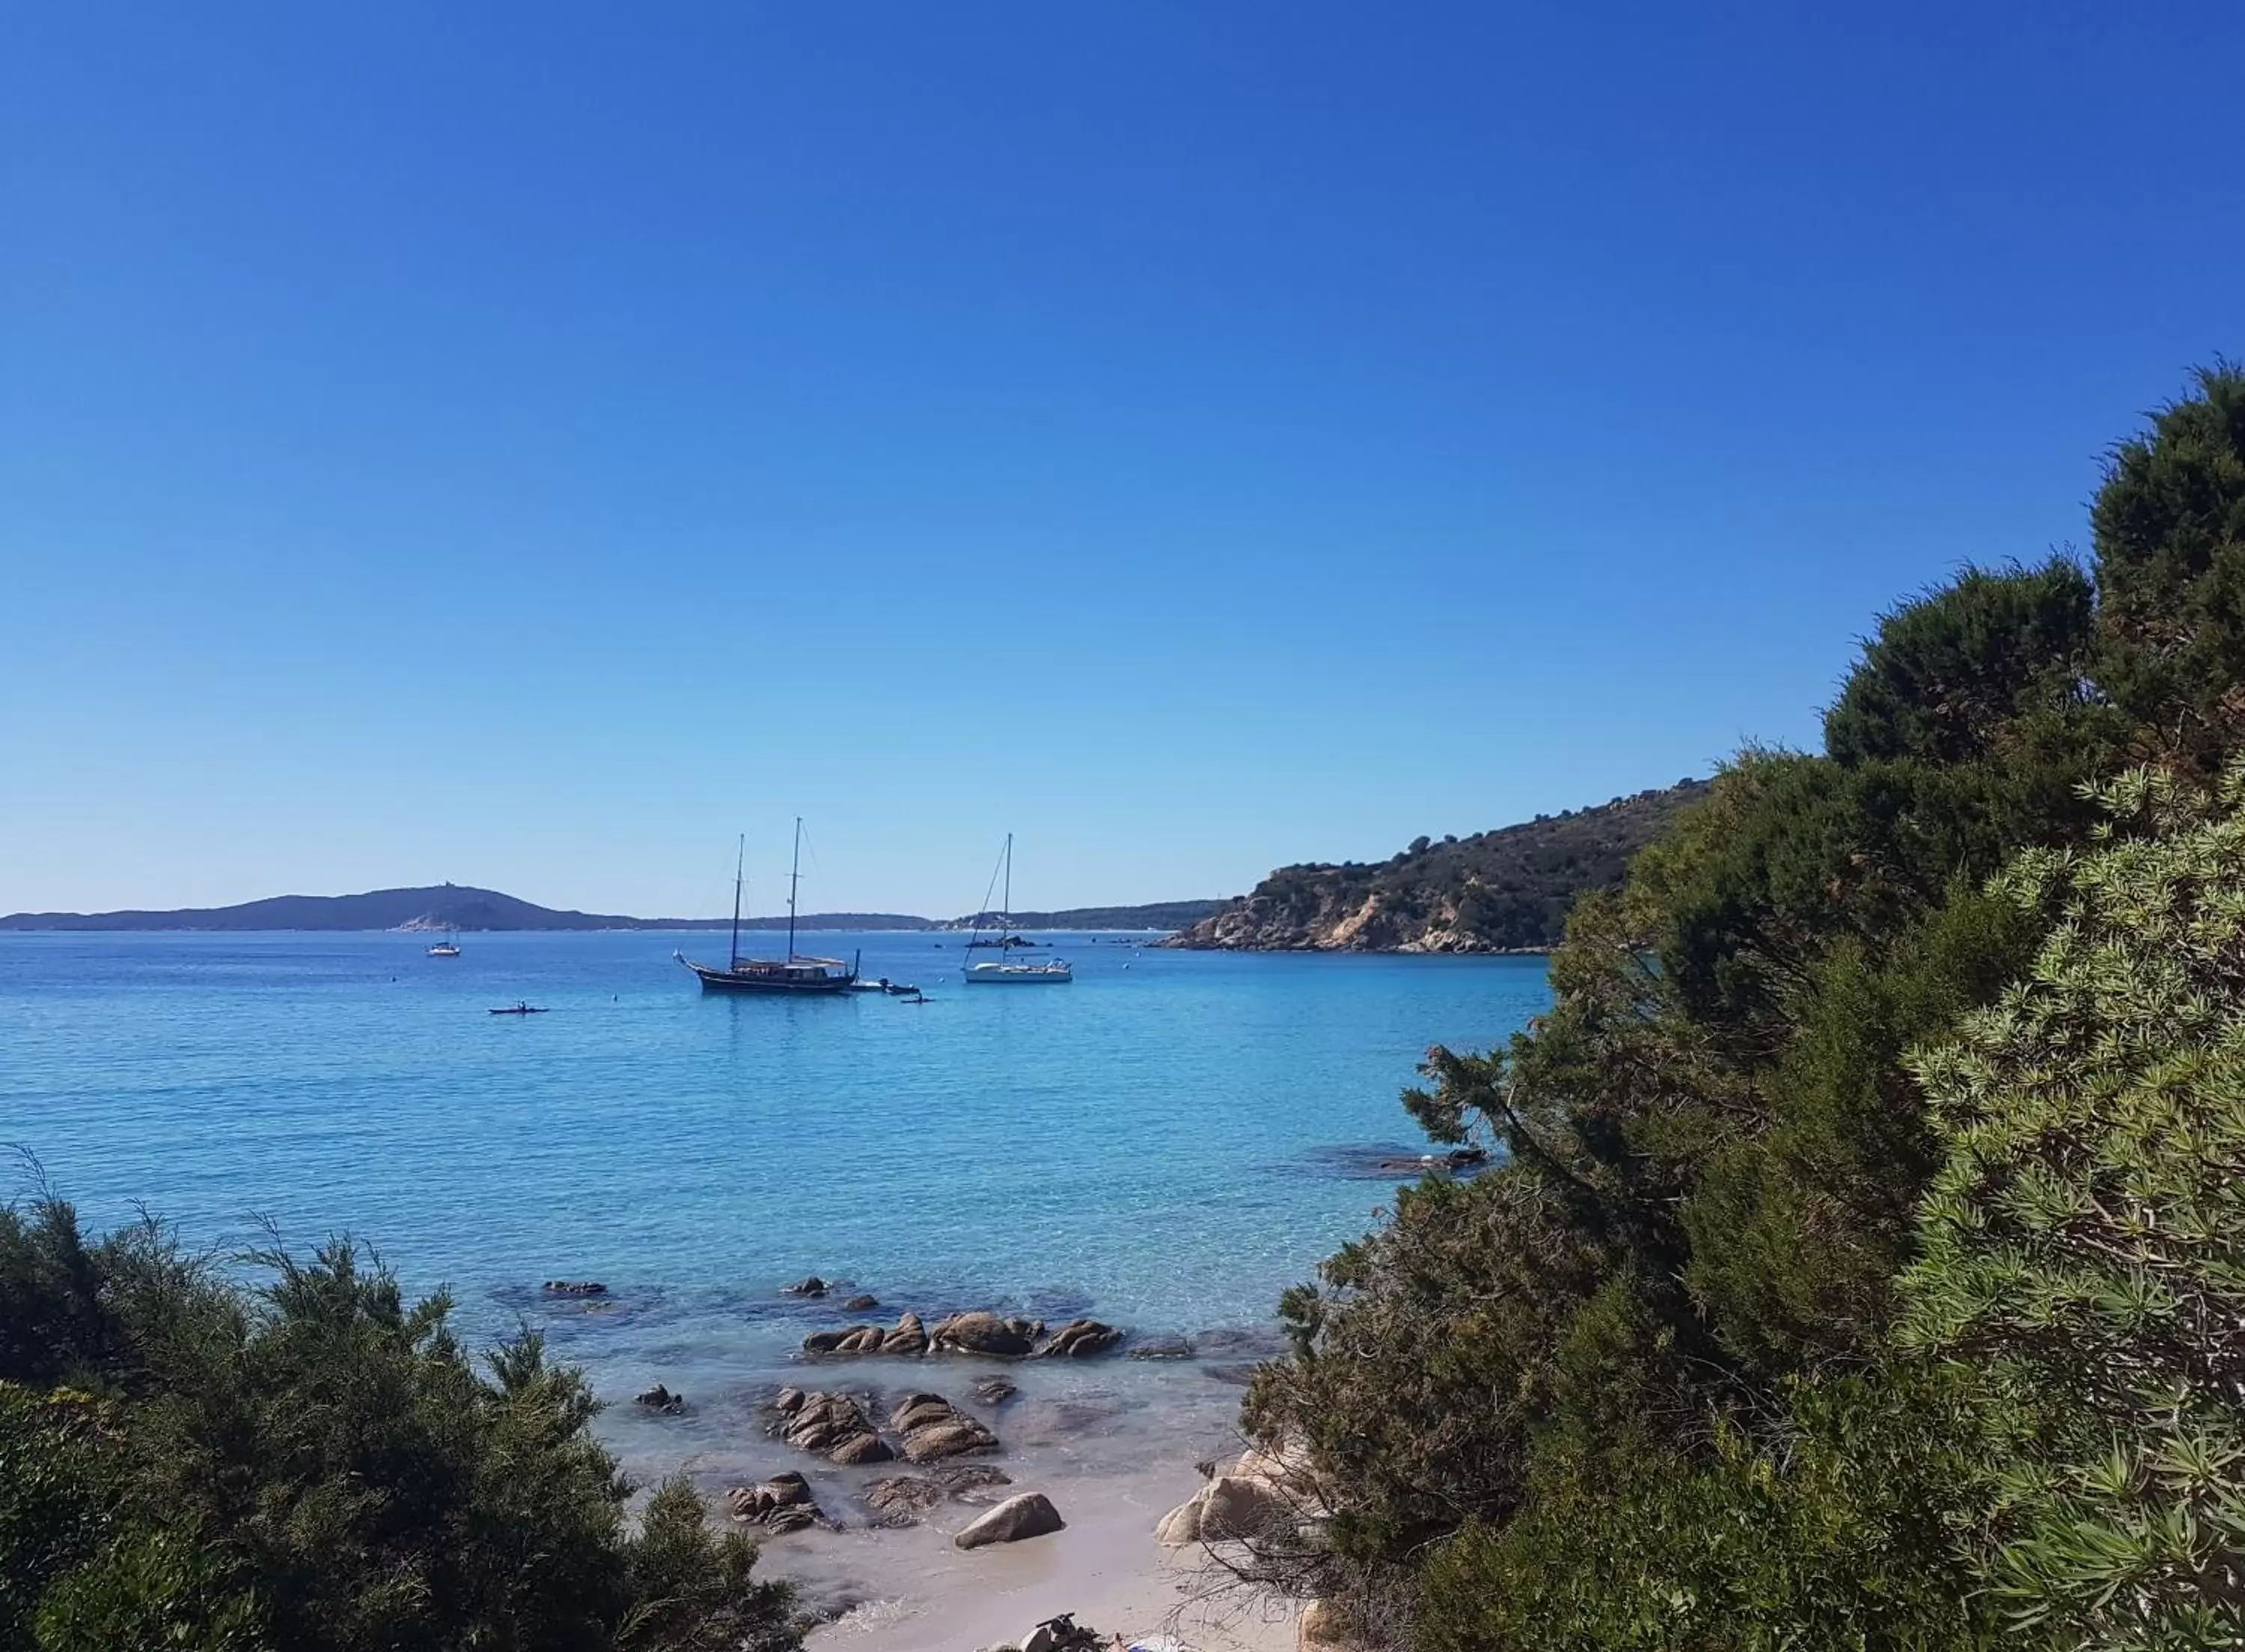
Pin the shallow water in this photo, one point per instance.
(1166, 1144)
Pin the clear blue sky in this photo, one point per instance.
(525, 443)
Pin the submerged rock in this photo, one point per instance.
(860, 1304)
(813, 1286)
(902, 1500)
(993, 1390)
(576, 1287)
(1031, 1514)
(1161, 1348)
(661, 1398)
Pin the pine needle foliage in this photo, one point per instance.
(2084, 1243)
(315, 1464)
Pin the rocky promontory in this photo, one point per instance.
(1508, 891)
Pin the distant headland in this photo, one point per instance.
(1507, 890)
(445, 906)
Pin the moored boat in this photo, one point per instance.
(1052, 972)
(795, 974)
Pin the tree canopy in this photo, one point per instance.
(316, 1463)
(1859, 1268)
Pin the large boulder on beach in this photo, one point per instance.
(1181, 1526)
(983, 1332)
(1031, 1514)
(1080, 1339)
(1259, 1495)
(1233, 1508)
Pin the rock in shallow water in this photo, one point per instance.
(781, 1504)
(933, 1429)
(982, 1332)
(1080, 1339)
(1031, 1514)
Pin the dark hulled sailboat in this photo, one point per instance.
(794, 973)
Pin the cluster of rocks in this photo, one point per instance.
(661, 1398)
(907, 1337)
(783, 1503)
(1259, 1494)
(837, 1426)
(814, 1287)
(575, 1288)
(991, 1335)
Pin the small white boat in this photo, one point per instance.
(449, 947)
(1054, 972)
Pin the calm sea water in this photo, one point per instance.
(1166, 1143)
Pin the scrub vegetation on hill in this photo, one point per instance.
(1866, 1265)
(318, 1465)
(1508, 891)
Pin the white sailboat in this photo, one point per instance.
(1053, 972)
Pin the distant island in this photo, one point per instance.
(1507, 890)
(457, 906)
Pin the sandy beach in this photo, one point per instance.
(1105, 1568)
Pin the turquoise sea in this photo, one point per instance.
(1165, 1144)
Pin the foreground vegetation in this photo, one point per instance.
(190, 1464)
(1867, 1264)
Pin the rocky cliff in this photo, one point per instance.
(1507, 890)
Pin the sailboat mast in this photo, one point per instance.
(740, 855)
(794, 876)
(1006, 913)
